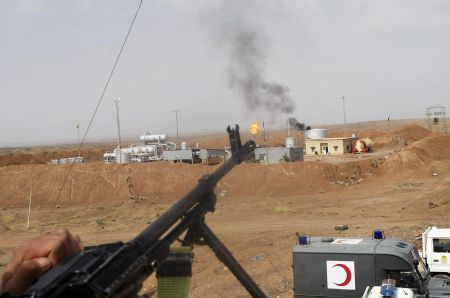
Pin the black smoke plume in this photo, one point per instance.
(297, 125)
(240, 32)
(246, 76)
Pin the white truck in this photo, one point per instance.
(436, 251)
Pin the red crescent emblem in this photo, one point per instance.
(348, 274)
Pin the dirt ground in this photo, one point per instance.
(403, 187)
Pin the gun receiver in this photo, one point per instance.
(119, 269)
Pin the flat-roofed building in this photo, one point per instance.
(330, 146)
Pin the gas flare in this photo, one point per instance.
(254, 128)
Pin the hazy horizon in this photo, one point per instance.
(112, 139)
(218, 63)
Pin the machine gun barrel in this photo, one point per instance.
(204, 186)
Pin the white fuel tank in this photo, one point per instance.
(316, 134)
(153, 138)
(291, 142)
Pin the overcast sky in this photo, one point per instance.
(388, 58)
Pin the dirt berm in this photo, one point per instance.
(161, 181)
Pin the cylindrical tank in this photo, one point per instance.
(291, 142)
(125, 157)
(153, 138)
(369, 143)
(122, 156)
(183, 146)
(316, 134)
(362, 146)
(359, 146)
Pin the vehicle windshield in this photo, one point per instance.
(441, 245)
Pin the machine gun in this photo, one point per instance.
(119, 269)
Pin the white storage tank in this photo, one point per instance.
(291, 142)
(316, 134)
(122, 156)
(153, 138)
(183, 146)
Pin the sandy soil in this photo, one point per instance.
(402, 187)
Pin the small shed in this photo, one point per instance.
(183, 155)
(212, 156)
(272, 155)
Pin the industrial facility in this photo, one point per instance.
(151, 150)
(196, 155)
(68, 160)
(156, 147)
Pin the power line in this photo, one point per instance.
(57, 198)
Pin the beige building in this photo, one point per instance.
(329, 146)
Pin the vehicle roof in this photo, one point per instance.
(439, 233)
(390, 246)
(345, 245)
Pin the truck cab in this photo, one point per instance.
(344, 267)
(436, 250)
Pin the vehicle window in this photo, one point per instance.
(441, 245)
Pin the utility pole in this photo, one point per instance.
(78, 134)
(29, 208)
(264, 134)
(345, 117)
(116, 100)
(289, 129)
(176, 120)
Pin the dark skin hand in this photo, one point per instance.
(36, 256)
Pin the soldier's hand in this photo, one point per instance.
(36, 256)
